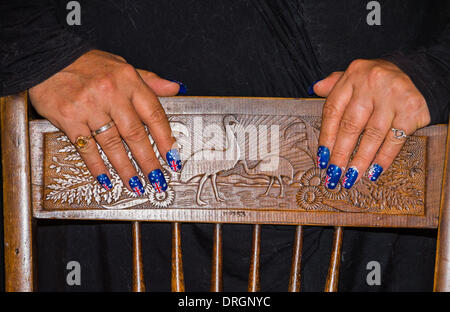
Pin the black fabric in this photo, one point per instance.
(33, 45)
(230, 48)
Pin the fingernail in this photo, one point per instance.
(333, 176)
(323, 156)
(157, 180)
(183, 88)
(350, 177)
(311, 88)
(104, 181)
(374, 172)
(174, 160)
(136, 185)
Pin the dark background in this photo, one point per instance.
(242, 48)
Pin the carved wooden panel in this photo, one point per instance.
(245, 160)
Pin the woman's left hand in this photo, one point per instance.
(372, 98)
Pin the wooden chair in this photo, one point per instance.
(39, 161)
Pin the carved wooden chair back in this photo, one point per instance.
(264, 174)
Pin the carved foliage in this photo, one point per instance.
(245, 182)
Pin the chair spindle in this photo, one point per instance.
(138, 267)
(335, 261)
(216, 274)
(442, 266)
(16, 205)
(253, 279)
(177, 259)
(294, 280)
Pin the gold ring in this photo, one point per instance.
(103, 128)
(82, 141)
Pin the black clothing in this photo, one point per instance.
(231, 48)
(309, 40)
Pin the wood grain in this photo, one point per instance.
(258, 197)
(335, 261)
(216, 271)
(296, 268)
(253, 277)
(442, 267)
(177, 259)
(138, 266)
(16, 194)
(251, 206)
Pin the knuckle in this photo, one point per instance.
(340, 154)
(67, 110)
(104, 84)
(135, 134)
(128, 71)
(330, 110)
(399, 83)
(356, 65)
(350, 127)
(414, 103)
(374, 134)
(424, 119)
(158, 115)
(376, 75)
(362, 158)
(111, 143)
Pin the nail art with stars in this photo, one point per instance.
(157, 180)
(136, 185)
(323, 156)
(374, 172)
(333, 176)
(104, 181)
(350, 177)
(174, 160)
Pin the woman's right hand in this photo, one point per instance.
(98, 88)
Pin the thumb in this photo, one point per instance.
(323, 87)
(162, 87)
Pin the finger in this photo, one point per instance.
(323, 87)
(332, 112)
(91, 156)
(153, 115)
(351, 126)
(111, 144)
(390, 148)
(373, 136)
(133, 132)
(160, 86)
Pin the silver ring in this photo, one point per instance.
(399, 134)
(103, 128)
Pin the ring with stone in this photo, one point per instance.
(399, 134)
(82, 141)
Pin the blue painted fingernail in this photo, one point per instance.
(157, 180)
(374, 172)
(183, 88)
(323, 156)
(104, 181)
(350, 177)
(136, 185)
(174, 160)
(311, 88)
(333, 176)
